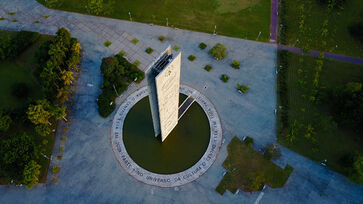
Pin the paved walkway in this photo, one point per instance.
(274, 26)
(89, 171)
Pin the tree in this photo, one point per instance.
(219, 51)
(43, 130)
(39, 113)
(67, 77)
(358, 169)
(63, 94)
(16, 152)
(95, 6)
(5, 121)
(59, 112)
(356, 31)
(30, 174)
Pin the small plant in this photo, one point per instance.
(122, 53)
(59, 157)
(55, 180)
(55, 169)
(191, 58)
(61, 148)
(224, 78)
(235, 64)
(11, 13)
(208, 68)
(137, 63)
(272, 151)
(2, 18)
(161, 38)
(15, 20)
(134, 41)
(149, 50)
(45, 17)
(36, 22)
(248, 141)
(242, 88)
(65, 129)
(107, 43)
(202, 45)
(176, 48)
(219, 51)
(63, 139)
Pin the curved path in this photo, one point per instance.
(89, 171)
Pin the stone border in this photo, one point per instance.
(166, 180)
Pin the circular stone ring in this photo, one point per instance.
(166, 180)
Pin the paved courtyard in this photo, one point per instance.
(90, 172)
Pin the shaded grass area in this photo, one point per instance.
(243, 162)
(338, 33)
(242, 19)
(327, 140)
(20, 70)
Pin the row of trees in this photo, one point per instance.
(58, 61)
(117, 73)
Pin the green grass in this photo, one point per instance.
(192, 58)
(242, 19)
(332, 142)
(242, 161)
(107, 43)
(134, 41)
(20, 70)
(337, 27)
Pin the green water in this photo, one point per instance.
(184, 146)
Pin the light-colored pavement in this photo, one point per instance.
(89, 171)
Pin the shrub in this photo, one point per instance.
(224, 78)
(2, 18)
(202, 45)
(272, 151)
(356, 31)
(95, 6)
(55, 180)
(176, 48)
(107, 43)
(43, 129)
(235, 64)
(36, 22)
(161, 38)
(106, 103)
(61, 148)
(191, 58)
(242, 88)
(45, 17)
(44, 142)
(149, 50)
(219, 51)
(63, 139)
(15, 20)
(122, 53)
(5, 121)
(11, 13)
(20, 90)
(137, 63)
(134, 41)
(55, 169)
(248, 141)
(59, 157)
(208, 68)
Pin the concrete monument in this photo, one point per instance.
(163, 77)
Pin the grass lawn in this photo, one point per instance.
(236, 18)
(328, 141)
(242, 161)
(338, 24)
(20, 70)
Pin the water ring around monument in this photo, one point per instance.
(184, 156)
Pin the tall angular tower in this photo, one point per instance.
(163, 77)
